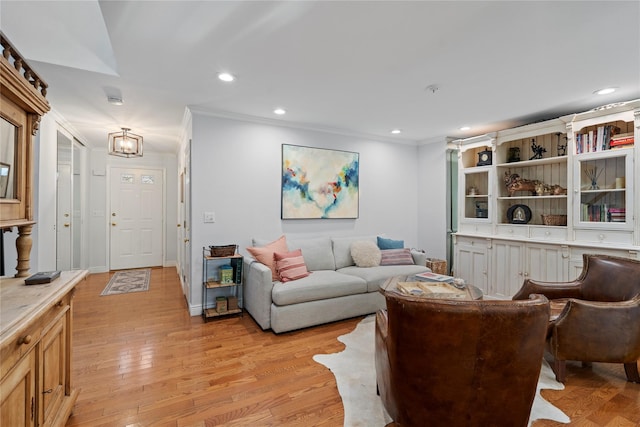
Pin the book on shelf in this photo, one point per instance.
(623, 141)
(598, 140)
(435, 277)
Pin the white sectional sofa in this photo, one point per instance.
(336, 288)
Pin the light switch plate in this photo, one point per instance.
(209, 217)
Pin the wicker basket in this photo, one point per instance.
(548, 219)
(226, 250)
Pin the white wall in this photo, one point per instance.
(236, 174)
(432, 199)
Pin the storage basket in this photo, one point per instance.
(226, 250)
(438, 266)
(548, 219)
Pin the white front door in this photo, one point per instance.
(136, 218)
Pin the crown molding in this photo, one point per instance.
(294, 125)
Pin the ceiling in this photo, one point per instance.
(357, 67)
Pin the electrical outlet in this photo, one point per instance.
(209, 217)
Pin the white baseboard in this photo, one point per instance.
(101, 269)
(195, 310)
(170, 264)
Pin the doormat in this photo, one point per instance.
(126, 281)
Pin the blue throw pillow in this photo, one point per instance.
(389, 243)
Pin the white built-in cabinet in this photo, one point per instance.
(576, 196)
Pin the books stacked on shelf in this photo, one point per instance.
(623, 140)
(594, 213)
(598, 140)
(617, 214)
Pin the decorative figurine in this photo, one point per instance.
(537, 150)
(514, 155)
(562, 149)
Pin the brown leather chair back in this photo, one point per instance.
(609, 278)
(460, 363)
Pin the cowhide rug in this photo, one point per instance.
(354, 369)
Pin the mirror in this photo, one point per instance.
(8, 149)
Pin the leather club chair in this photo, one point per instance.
(595, 318)
(459, 363)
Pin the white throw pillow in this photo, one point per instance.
(365, 253)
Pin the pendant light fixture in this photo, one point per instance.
(125, 144)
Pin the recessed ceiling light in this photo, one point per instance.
(605, 91)
(280, 111)
(396, 131)
(226, 77)
(465, 128)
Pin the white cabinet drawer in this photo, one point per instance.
(548, 233)
(608, 237)
(475, 228)
(512, 230)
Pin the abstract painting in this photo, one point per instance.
(319, 183)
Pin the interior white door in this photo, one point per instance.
(136, 233)
(186, 208)
(63, 218)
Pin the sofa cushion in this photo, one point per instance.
(376, 276)
(321, 284)
(264, 254)
(316, 252)
(384, 243)
(365, 253)
(342, 249)
(396, 257)
(290, 265)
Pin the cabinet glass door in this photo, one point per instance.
(476, 195)
(604, 184)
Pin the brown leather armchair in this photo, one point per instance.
(598, 314)
(459, 363)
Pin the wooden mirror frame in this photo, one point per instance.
(22, 103)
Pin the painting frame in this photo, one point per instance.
(319, 183)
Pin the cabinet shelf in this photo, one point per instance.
(213, 284)
(536, 162)
(211, 312)
(561, 196)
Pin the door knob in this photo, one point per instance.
(186, 240)
(113, 214)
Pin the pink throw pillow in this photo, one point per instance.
(396, 257)
(265, 253)
(290, 265)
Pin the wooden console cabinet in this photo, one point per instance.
(35, 351)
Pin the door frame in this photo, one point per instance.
(107, 223)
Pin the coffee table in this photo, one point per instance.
(468, 292)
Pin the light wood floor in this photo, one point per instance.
(141, 360)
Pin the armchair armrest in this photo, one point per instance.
(551, 290)
(257, 291)
(597, 331)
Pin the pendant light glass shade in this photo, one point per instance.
(125, 144)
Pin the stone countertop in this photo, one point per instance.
(19, 303)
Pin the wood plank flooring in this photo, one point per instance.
(141, 360)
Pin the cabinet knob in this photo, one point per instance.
(526, 274)
(59, 303)
(66, 224)
(601, 237)
(48, 391)
(113, 224)
(25, 340)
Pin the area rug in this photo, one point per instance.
(126, 281)
(354, 369)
